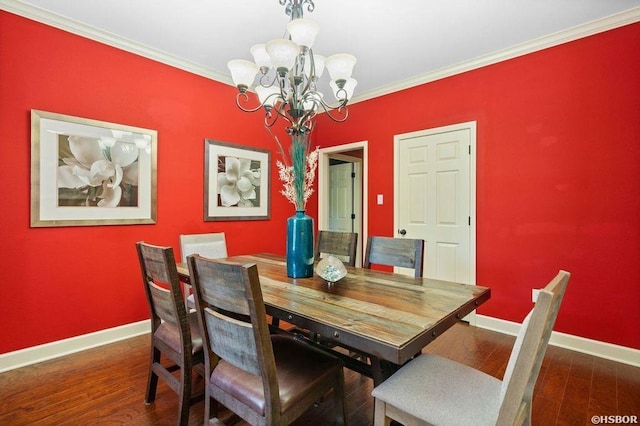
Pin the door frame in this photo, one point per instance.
(472, 127)
(323, 186)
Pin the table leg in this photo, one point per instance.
(381, 369)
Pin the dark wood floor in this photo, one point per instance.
(106, 385)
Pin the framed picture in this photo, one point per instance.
(88, 172)
(236, 182)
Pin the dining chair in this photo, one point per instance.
(400, 252)
(212, 245)
(174, 332)
(437, 391)
(342, 245)
(264, 379)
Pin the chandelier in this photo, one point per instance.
(285, 76)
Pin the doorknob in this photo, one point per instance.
(402, 232)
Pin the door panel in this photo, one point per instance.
(340, 198)
(433, 199)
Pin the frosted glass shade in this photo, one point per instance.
(282, 52)
(340, 66)
(264, 94)
(349, 87)
(303, 31)
(243, 72)
(260, 56)
(318, 61)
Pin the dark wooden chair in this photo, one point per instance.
(342, 245)
(435, 390)
(265, 379)
(174, 333)
(400, 252)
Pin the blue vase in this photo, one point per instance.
(300, 245)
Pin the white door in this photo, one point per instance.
(341, 197)
(435, 198)
(345, 200)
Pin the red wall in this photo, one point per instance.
(64, 282)
(558, 175)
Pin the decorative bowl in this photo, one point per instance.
(331, 269)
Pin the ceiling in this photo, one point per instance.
(397, 43)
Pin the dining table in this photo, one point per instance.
(385, 317)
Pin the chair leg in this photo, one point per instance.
(185, 393)
(380, 416)
(210, 407)
(152, 381)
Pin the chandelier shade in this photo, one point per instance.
(260, 55)
(319, 62)
(282, 52)
(243, 72)
(267, 96)
(340, 66)
(303, 31)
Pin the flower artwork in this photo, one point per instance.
(86, 172)
(237, 182)
(95, 172)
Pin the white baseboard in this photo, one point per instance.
(575, 343)
(35, 354)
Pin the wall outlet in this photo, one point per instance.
(534, 295)
(380, 199)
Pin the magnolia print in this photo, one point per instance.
(93, 172)
(237, 182)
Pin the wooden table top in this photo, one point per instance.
(386, 315)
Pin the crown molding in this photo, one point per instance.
(108, 38)
(627, 17)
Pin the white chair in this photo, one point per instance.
(213, 246)
(437, 391)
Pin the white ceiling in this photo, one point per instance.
(395, 42)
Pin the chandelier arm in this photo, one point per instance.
(265, 78)
(331, 111)
(312, 72)
(269, 118)
(306, 120)
(246, 99)
(282, 113)
(327, 107)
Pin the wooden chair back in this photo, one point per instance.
(212, 245)
(234, 322)
(342, 245)
(400, 252)
(162, 287)
(528, 352)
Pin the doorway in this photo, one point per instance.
(342, 191)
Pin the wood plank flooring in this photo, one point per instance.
(106, 385)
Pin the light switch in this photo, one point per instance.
(380, 199)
